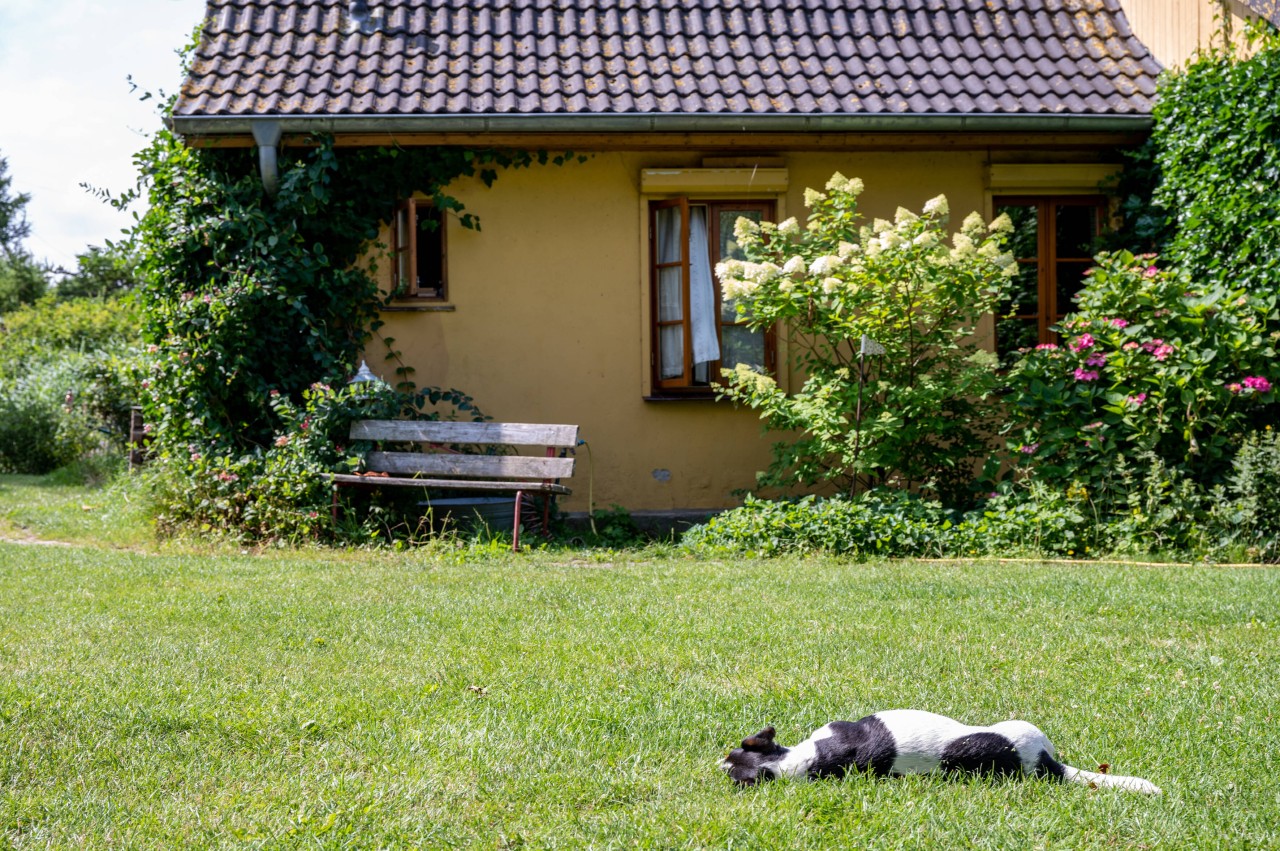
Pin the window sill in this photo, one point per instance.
(683, 397)
(419, 307)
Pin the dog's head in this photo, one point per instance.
(755, 760)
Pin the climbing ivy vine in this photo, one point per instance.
(251, 299)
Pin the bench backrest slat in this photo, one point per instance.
(473, 466)
(445, 431)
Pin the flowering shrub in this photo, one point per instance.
(922, 415)
(281, 491)
(1151, 362)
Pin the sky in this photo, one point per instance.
(67, 112)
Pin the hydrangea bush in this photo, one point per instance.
(916, 415)
(1150, 362)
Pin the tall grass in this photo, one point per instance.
(583, 700)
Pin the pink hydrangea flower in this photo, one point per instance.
(1083, 374)
(1096, 359)
(1136, 400)
(1158, 349)
(1047, 347)
(1029, 448)
(1257, 383)
(1120, 323)
(1130, 346)
(1084, 341)
(1151, 272)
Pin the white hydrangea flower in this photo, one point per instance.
(824, 265)
(813, 197)
(786, 285)
(891, 239)
(937, 206)
(745, 230)
(794, 267)
(837, 183)
(963, 246)
(904, 217)
(873, 247)
(881, 225)
(847, 250)
(830, 285)
(928, 239)
(790, 227)
(1001, 224)
(973, 223)
(854, 186)
(729, 269)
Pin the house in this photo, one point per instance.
(578, 302)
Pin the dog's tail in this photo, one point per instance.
(1095, 779)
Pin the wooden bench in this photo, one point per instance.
(442, 467)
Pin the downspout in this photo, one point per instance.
(266, 135)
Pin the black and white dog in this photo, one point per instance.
(908, 741)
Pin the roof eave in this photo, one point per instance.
(215, 125)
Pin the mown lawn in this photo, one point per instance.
(156, 698)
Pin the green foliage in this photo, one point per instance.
(48, 327)
(879, 522)
(1216, 148)
(281, 491)
(41, 428)
(1153, 363)
(251, 299)
(100, 273)
(1247, 509)
(916, 416)
(247, 294)
(22, 281)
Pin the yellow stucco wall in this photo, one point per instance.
(549, 319)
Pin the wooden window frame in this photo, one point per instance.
(1048, 312)
(407, 242)
(685, 385)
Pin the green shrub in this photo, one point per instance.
(880, 522)
(1247, 510)
(1152, 363)
(919, 412)
(40, 427)
(37, 331)
(281, 491)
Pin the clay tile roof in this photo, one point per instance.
(307, 58)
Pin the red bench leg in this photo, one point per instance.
(515, 531)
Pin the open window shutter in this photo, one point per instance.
(672, 341)
(404, 248)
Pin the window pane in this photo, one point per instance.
(741, 345)
(430, 253)
(1024, 242)
(729, 249)
(670, 302)
(669, 235)
(1075, 229)
(1070, 279)
(1024, 292)
(671, 345)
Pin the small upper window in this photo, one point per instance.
(1053, 242)
(418, 246)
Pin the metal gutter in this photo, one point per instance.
(215, 125)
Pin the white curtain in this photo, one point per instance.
(702, 294)
(670, 294)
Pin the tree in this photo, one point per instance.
(101, 272)
(22, 279)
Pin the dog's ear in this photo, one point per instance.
(762, 741)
